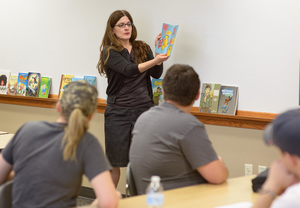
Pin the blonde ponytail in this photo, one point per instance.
(78, 103)
(77, 125)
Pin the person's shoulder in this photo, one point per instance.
(35, 124)
(90, 138)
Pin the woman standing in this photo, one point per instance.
(128, 65)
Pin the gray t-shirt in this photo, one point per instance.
(42, 177)
(171, 144)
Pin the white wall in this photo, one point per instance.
(252, 44)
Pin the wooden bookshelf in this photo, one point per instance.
(243, 119)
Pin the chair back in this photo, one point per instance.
(6, 194)
(130, 185)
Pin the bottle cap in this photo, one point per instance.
(155, 178)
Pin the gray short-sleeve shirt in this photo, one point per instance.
(42, 177)
(169, 143)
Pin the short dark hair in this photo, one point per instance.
(181, 84)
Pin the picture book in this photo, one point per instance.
(91, 79)
(166, 42)
(45, 87)
(33, 84)
(76, 79)
(22, 83)
(4, 77)
(209, 99)
(65, 80)
(228, 100)
(12, 85)
(157, 91)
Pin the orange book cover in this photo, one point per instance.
(65, 80)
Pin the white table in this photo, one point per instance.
(4, 139)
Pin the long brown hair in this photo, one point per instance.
(110, 41)
(78, 102)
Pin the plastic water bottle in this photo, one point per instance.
(154, 193)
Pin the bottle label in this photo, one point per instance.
(155, 199)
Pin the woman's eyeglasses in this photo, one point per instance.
(122, 25)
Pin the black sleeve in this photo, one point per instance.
(157, 70)
(120, 62)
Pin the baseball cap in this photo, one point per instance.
(79, 94)
(284, 132)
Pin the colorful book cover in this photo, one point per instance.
(76, 79)
(209, 99)
(33, 84)
(91, 79)
(12, 85)
(4, 77)
(157, 91)
(228, 100)
(166, 42)
(45, 87)
(22, 83)
(65, 80)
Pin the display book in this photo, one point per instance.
(22, 83)
(64, 81)
(45, 87)
(67, 79)
(166, 42)
(33, 84)
(91, 79)
(12, 85)
(157, 91)
(209, 98)
(217, 98)
(228, 100)
(4, 78)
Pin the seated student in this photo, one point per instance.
(170, 142)
(284, 175)
(49, 159)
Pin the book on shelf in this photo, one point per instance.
(12, 85)
(166, 42)
(76, 79)
(45, 87)
(64, 81)
(209, 98)
(22, 83)
(4, 77)
(91, 79)
(157, 91)
(228, 100)
(33, 84)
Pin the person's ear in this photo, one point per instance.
(293, 158)
(198, 95)
(58, 107)
(90, 117)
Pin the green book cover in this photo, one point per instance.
(45, 87)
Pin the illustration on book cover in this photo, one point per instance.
(209, 98)
(228, 100)
(33, 84)
(157, 91)
(166, 42)
(22, 83)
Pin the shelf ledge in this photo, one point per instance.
(243, 119)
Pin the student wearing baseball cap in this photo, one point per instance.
(282, 187)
